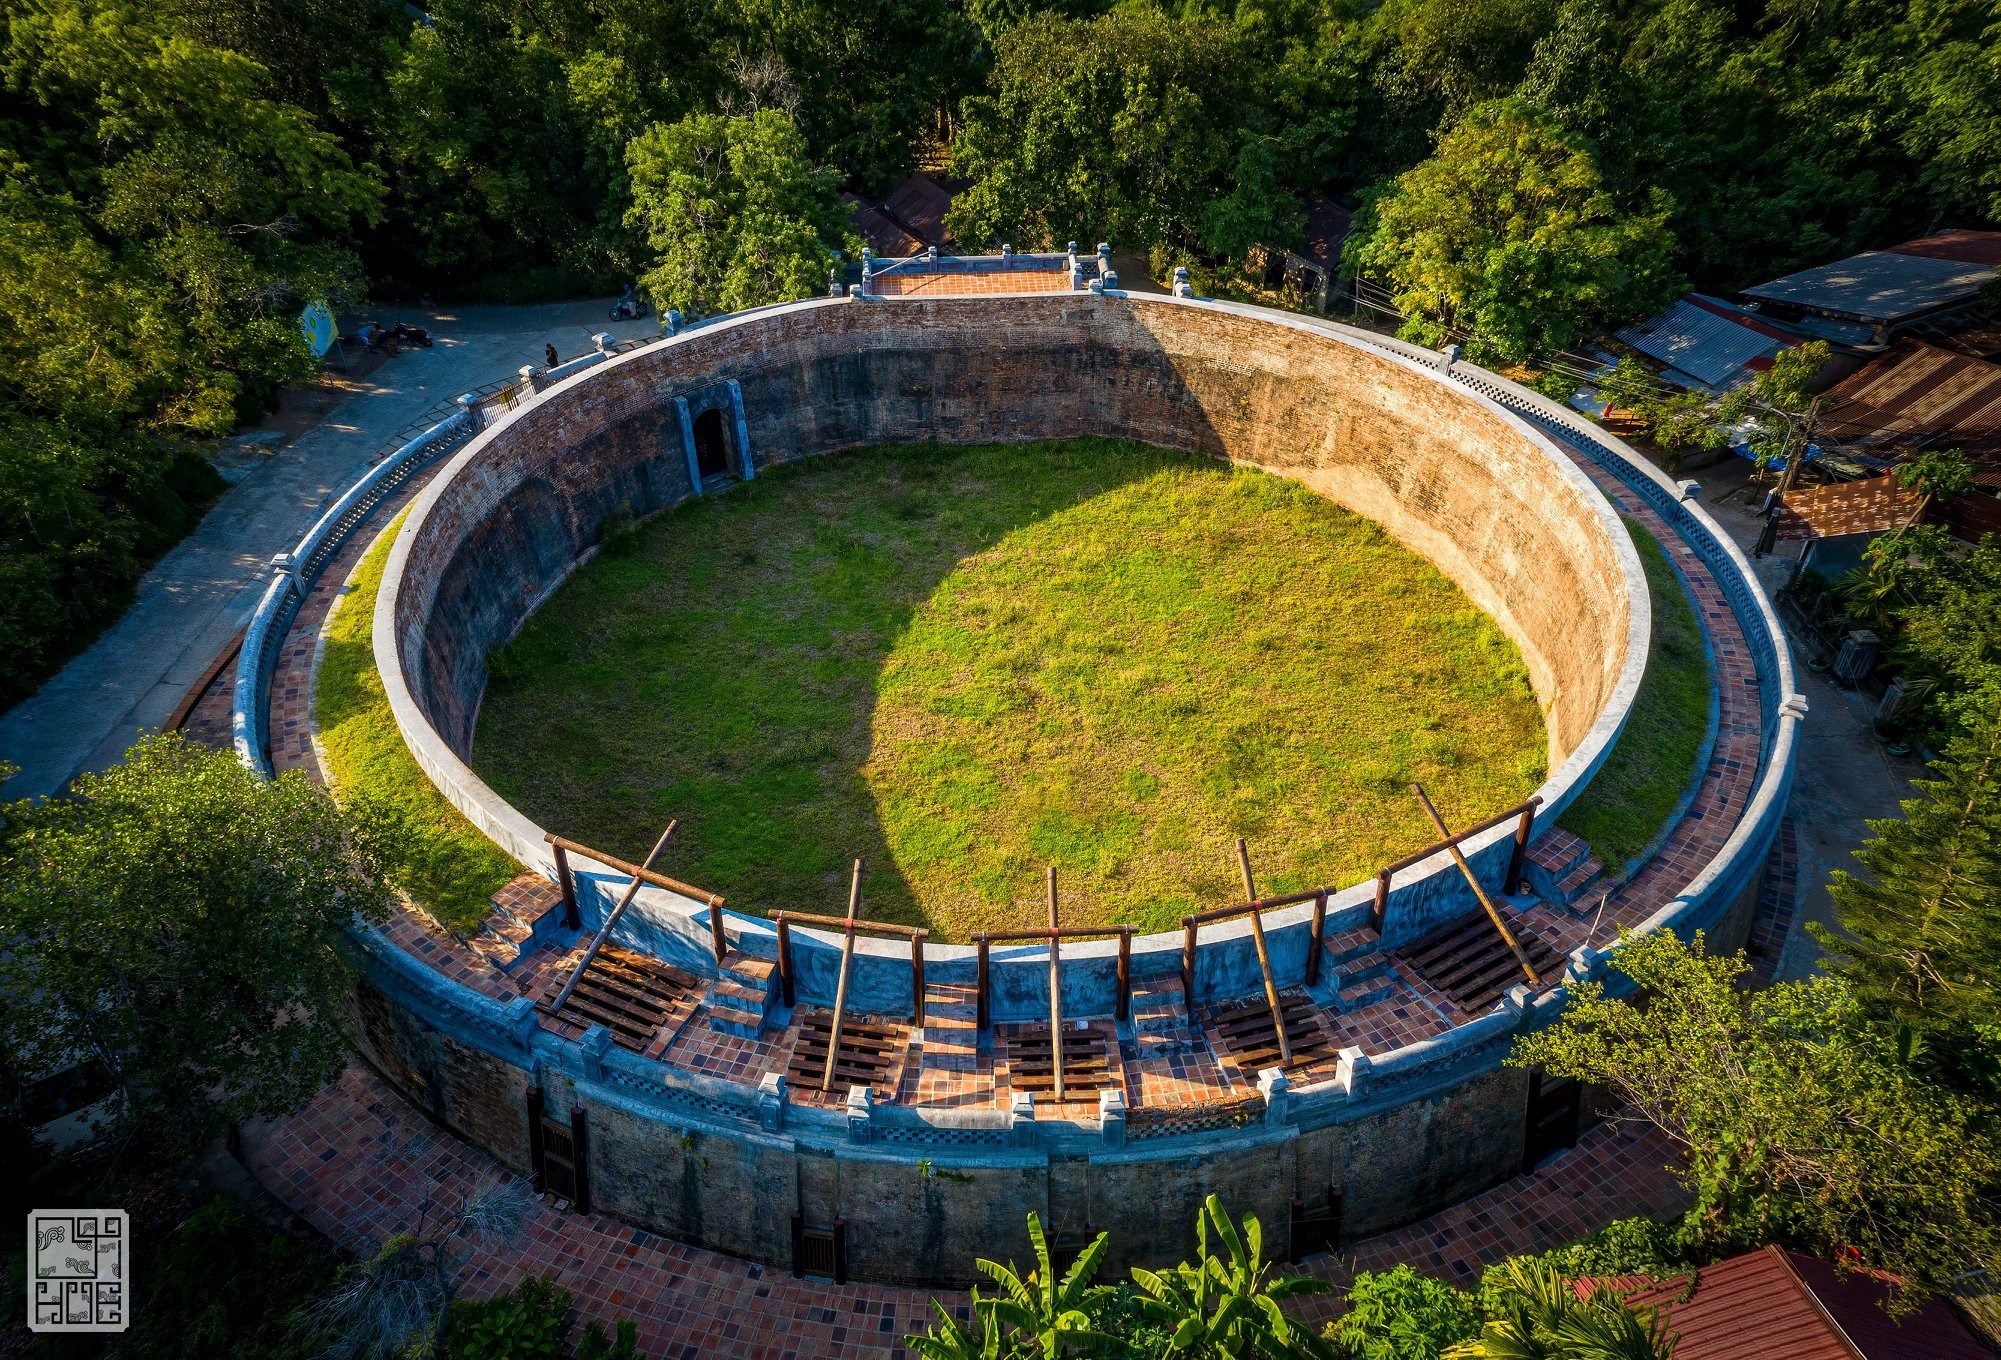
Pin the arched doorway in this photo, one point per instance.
(712, 450)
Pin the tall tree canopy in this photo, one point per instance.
(737, 213)
(1509, 235)
(180, 921)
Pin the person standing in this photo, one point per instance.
(549, 354)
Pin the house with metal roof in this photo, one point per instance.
(1862, 301)
(1707, 343)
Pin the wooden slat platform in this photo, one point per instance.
(1089, 1063)
(629, 994)
(1243, 1032)
(1469, 962)
(872, 1052)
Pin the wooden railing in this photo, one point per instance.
(1523, 815)
(783, 921)
(640, 872)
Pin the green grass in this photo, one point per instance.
(442, 862)
(1625, 806)
(967, 663)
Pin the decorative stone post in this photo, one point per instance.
(603, 341)
(1276, 1088)
(1021, 1117)
(593, 1046)
(1519, 1003)
(861, 1114)
(470, 409)
(1007, 251)
(1112, 1117)
(672, 322)
(1104, 258)
(287, 566)
(1583, 966)
(1691, 490)
(1181, 285)
(1111, 280)
(772, 1100)
(1351, 1077)
(1447, 357)
(522, 1020)
(529, 374)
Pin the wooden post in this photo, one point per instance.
(917, 973)
(1125, 1011)
(785, 983)
(841, 988)
(1313, 943)
(604, 930)
(1264, 956)
(1474, 883)
(580, 1149)
(1188, 964)
(1381, 910)
(1055, 992)
(535, 1135)
(722, 944)
(567, 881)
(981, 1016)
(1519, 855)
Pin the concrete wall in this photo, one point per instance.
(1452, 475)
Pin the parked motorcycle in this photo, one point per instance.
(629, 307)
(412, 335)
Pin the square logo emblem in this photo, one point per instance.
(79, 1270)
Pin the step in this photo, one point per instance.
(742, 998)
(1573, 884)
(1365, 985)
(1344, 947)
(1553, 857)
(524, 914)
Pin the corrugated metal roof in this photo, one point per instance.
(1869, 506)
(1919, 395)
(1880, 287)
(1705, 343)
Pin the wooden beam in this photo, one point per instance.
(1264, 956)
(841, 987)
(1453, 845)
(604, 930)
(1055, 989)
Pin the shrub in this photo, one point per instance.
(1403, 1315)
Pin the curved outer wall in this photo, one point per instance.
(926, 1192)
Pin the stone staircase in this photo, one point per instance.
(525, 913)
(1561, 869)
(1161, 1025)
(743, 997)
(1364, 981)
(951, 1035)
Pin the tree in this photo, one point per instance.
(1508, 235)
(1781, 406)
(1403, 1315)
(1936, 475)
(1799, 1118)
(738, 215)
(1130, 127)
(1534, 1312)
(182, 921)
(1920, 937)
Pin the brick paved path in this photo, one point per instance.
(358, 1164)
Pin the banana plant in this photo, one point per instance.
(1048, 1312)
(979, 1339)
(1228, 1304)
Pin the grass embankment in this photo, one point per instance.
(1625, 806)
(442, 862)
(967, 663)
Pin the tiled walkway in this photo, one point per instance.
(359, 1164)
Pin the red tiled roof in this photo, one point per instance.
(1775, 1304)
(1973, 247)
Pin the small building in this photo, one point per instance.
(1775, 1304)
(1705, 343)
(1864, 301)
(908, 222)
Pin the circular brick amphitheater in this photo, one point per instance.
(684, 1085)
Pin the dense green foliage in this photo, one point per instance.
(1628, 802)
(224, 1289)
(531, 1321)
(1532, 1310)
(1800, 1117)
(967, 663)
(431, 852)
(1400, 1314)
(182, 923)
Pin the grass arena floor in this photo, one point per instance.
(966, 663)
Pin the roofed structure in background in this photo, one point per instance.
(1919, 396)
(1871, 506)
(1860, 300)
(1705, 342)
(1774, 1304)
(911, 219)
